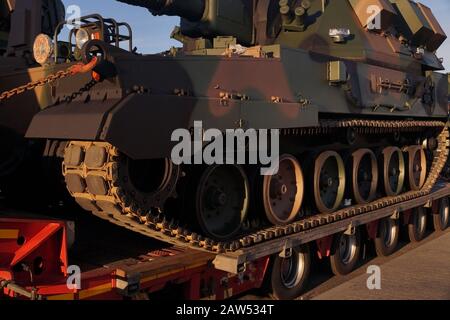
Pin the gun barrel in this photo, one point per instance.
(192, 10)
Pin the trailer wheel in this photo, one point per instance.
(441, 218)
(387, 236)
(345, 253)
(289, 275)
(417, 225)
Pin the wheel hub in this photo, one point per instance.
(393, 172)
(366, 177)
(330, 182)
(278, 189)
(417, 168)
(217, 198)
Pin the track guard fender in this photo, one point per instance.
(142, 126)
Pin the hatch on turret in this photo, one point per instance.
(418, 24)
(375, 15)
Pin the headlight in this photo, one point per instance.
(82, 36)
(42, 49)
(339, 35)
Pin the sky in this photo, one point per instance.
(152, 34)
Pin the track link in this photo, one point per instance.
(94, 184)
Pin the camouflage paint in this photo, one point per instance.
(288, 91)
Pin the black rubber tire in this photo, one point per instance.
(415, 232)
(338, 266)
(382, 249)
(438, 223)
(278, 289)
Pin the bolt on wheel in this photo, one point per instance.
(222, 200)
(329, 181)
(393, 170)
(364, 176)
(283, 192)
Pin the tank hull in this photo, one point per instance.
(292, 91)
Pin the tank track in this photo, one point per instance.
(110, 207)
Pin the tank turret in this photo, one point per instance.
(382, 32)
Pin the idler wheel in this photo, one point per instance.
(283, 192)
(393, 171)
(364, 176)
(329, 181)
(221, 201)
(146, 183)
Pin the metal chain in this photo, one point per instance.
(71, 71)
(34, 84)
(87, 87)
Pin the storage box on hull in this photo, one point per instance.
(419, 24)
(369, 12)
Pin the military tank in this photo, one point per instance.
(20, 22)
(352, 96)
(30, 71)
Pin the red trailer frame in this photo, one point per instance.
(34, 261)
(29, 268)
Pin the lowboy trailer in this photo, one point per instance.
(35, 262)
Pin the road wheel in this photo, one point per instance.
(441, 218)
(222, 200)
(345, 252)
(283, 192)
(416, 167)
(393, 171)
(364, 176)
(329, 181)
(289, 275)
(417, 225)
(387, 236)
